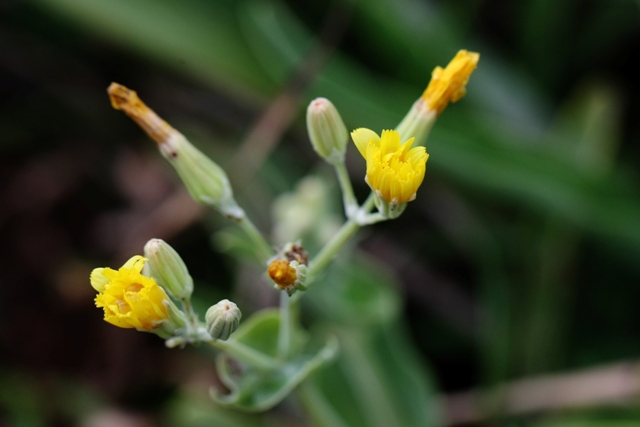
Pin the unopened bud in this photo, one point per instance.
(417, 123)
(205, 180)
(166, 266)
(222, 319)
(327, 132)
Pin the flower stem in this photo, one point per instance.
(192, 316)
(331, 249)
(262, 249)
(284, 333)
(245, 354)
(369, 203)
(349, 199)
(363, 215)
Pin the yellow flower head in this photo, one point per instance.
(394, 170)
(129, 299)
(449, 84)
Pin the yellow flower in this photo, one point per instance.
(448, 84)
(129, 299)
(394, 170)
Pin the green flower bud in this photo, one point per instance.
(167, 267)
(327, 132)
(206, 181)
(222, 319)
(417, 123)
(176, 320)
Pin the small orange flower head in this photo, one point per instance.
(288, 275)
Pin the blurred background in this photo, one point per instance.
(508, 290)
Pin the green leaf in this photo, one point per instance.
(356, 292)
(199, 38)
(258, 390)
(192, 410)
(378, 379)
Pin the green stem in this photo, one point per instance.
(349, 199)
(192, 317)
(369, 203)
(362, 215)
(245, 354)
(330, 250)
(284, 333)
(262, 248)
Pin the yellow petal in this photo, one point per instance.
(448, 84)
(98, 281)
(135, 263)
(361, 137)
(389, 142)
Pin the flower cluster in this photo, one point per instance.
(145, 292)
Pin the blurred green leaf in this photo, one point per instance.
(356, 294)
(20, 400)
(378, 379)
(199, 38)
(188, 410)
(258, 390)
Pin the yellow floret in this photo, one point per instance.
(395, 171)
(449, 84)
(129, 299)
(282, 274)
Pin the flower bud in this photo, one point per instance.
(447, 85)
(222, 319)
(417, 123)
(205, 180)
(327, 132)
(167, 267)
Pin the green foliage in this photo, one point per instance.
(378, 379)
(252, 389)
